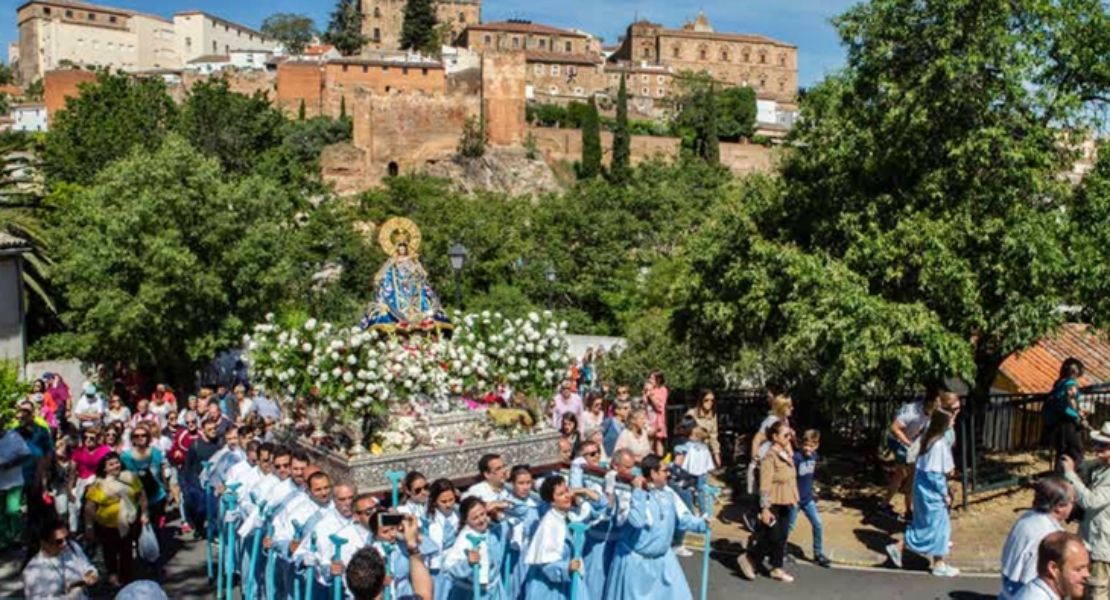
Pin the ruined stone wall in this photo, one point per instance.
(240, 81)
(566, 144)
(297, 82)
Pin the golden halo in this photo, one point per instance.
(396, 230)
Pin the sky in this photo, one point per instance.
(804, 23)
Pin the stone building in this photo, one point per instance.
(53, 33)
(519, 35)
(384, 20)
(555, 77)
(768, 66)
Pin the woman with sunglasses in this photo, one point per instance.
(443, 528)
(148, 463)
(85, 458)
(415, 487)
(60, 569)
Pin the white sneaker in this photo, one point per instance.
(683, 551)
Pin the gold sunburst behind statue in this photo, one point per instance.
(397, 230)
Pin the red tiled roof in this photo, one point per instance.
(1035, 369)
(320, 49)
(724, 37)
(518, 27)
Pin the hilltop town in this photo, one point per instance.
(409, 107)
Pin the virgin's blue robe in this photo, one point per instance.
(644, 566)
(462, 576)
(404, 298)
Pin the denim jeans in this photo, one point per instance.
(810, 509)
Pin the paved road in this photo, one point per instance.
(185, 580)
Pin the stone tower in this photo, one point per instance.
(384, 19)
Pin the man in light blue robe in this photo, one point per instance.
(644, 566)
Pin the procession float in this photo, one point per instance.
(410, 388)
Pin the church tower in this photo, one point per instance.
(385, 18)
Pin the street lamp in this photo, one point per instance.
(550, 275)
(457, 253)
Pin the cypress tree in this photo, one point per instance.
(345, 28)
(591, 142)
(712, 137)
(342, 107)
(301, 111)
(622, 138)
(419, 29)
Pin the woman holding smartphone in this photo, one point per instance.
(778, 494)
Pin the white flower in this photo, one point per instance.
(348, 377)
(310, 324)
(541, 364)
(523, 361)
(323, 377)
(336, 372)
(269, 317)
(533, 317)
(307, 347)
(352, 360)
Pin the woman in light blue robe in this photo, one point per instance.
(491, 551)
(551, 552)
(644, 566)
(523, 517)
(442, 529)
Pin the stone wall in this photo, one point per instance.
(503, 97)
(566, 144)
(300, 82)
(242, 82)
(59, 85)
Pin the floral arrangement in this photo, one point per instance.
(353, 373)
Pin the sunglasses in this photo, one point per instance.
(59, 541)
(139, 436)
(363, 512)
(592, 454)
(281, 465)
(419, 489)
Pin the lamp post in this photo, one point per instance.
(457, 253)
(550, 275)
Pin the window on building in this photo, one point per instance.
(385, 68)
(462, 17)
(762, 58)
(487, 40)
(554, 70)
(644, 92)
(112, 19)
(377, 13)
(569, 47)
(344, 68)
(572, 70)
(189, 44)
(782, 86)
(661, 79)
(539, 69)
(704, 54)
(676, 52)
(724, 55)
(365, 69)
(404, 70)
(215, 47)
(92, 16)
(645, 78)
(46, 10)
(377, 34)
(238, 33)
(579, 91)
(782, 60)
(516, 43)
(543, 44)
(646, 53)
(69, 14)
(762, 83)
(659, 92)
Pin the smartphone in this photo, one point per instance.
(390, 519)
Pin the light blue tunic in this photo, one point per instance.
(462, 576)
(552, 581)
(523, 518)
(398, 563)
(446, 528)
(644, 566)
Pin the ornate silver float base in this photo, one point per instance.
(367, 472)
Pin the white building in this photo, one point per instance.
(250, 60)
(29, 117)
(201, 34)
(208, 64)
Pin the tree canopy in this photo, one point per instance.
(234, 128)
(418, 32)
(920, 228)
(294, 31)
(345, 28)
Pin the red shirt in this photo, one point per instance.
(181, 442)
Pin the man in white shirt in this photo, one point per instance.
(1053, 501)
(89, 409)
(60, 569)
(1062, 569)
(340, 517)
(293, 526)
(492, 487)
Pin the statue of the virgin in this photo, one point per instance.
(403, 299)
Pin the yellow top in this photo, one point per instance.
(107, 506)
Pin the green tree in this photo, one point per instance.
(7, 77)
(474, 138)
(163, 264)
(34, 90)
(293, 31)
(736, 113)
(591, 144)
(622, 138)
(709, 137)
(232, 127)
(345, 28)
(419, 29)
(104, 123)
(301, 111)
(920, 228)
